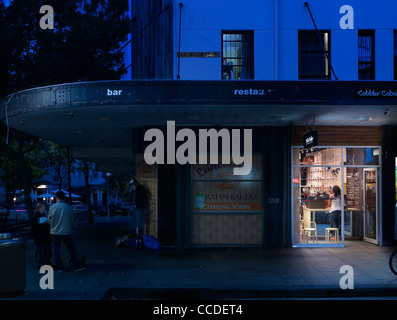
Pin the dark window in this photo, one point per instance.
(237, 55)
(366, 55)
(313, 62)
(395, 58)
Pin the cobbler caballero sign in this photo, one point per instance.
(376, 93)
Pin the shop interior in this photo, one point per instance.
(315, 173)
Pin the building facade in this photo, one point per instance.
(287, 43)
(275, 71)
(264, 40)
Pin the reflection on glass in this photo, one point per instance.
(362, 156)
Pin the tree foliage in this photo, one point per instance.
(82, 46)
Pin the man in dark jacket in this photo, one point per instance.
(139, 202)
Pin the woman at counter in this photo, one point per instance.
(336, 209)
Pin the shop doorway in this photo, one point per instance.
(361, 199)
(370, 205)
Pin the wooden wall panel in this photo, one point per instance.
(340, 136)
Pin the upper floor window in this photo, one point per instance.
(395, 61)
(312, 54)
(237, 55)
(366, 55)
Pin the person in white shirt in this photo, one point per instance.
(60, 218)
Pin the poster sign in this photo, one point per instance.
(216, 189)
(233, 196)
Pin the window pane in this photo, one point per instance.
(361, 156)
(313, 63)
(395, 55)
(366, 67)
(237, 56)
(317, 207)
(320, 156)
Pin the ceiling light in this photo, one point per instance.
(278, 118)
(365, 119)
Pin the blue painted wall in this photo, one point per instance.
(204, 20)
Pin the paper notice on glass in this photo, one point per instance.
(199, 201)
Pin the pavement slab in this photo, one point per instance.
(221, 273)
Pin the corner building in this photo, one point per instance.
(283, 69)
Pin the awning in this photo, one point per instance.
(96, 119)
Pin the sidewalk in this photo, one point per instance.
(214, 273)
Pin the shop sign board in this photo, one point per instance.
(376, 93)
(310, 139)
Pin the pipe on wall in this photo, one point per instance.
(276, 39)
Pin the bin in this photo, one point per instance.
(12, 264)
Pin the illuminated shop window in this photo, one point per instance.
(323, 215)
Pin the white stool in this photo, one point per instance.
(327, 230)
(310, 232)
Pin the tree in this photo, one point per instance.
(57, 159)
(21, 164)
(85, 39)
(82, 46)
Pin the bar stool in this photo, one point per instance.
(310, 232)
(327, 231)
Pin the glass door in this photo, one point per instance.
(395, 209)
(370, 204)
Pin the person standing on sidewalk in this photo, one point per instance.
(60, 218)
(139, 202)
(41, 235)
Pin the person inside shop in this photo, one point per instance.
(336, 210)
(41, 235)
(139, 202)
(60, 218)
